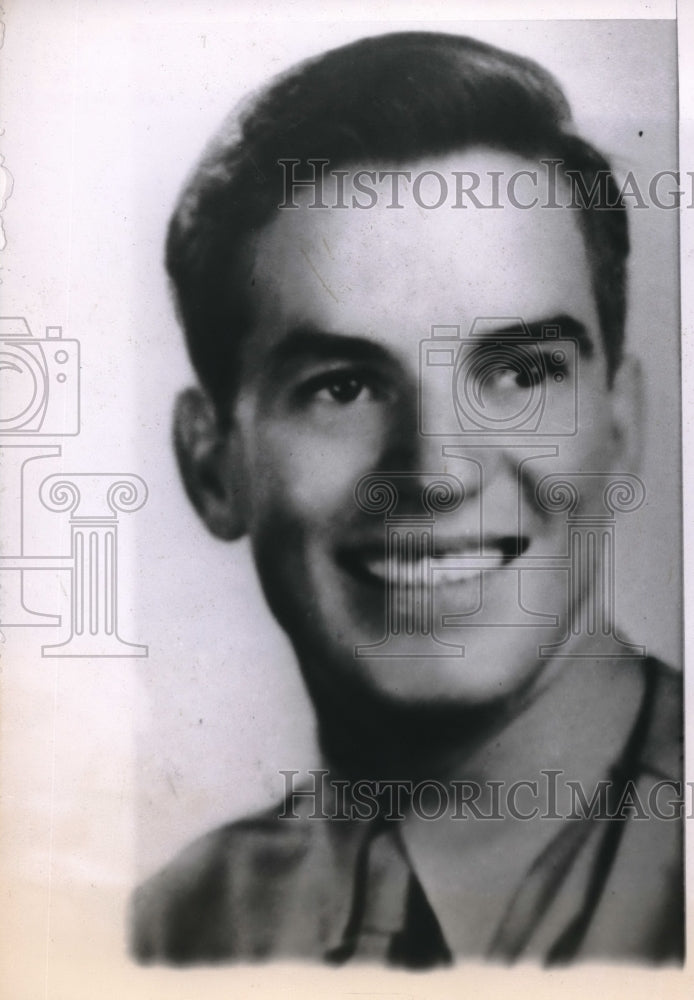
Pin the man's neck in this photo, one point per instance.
(409, 742)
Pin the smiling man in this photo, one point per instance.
(416, 402)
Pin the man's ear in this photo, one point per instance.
(205, 454)
(628, 414)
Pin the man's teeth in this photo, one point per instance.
(450, 574)
(410, 573)
(456, 566)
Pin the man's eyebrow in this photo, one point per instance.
(558, 327)
(311, 342)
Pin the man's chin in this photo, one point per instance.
(443, 678)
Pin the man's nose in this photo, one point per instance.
(426, 438)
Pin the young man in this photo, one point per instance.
(402, 280)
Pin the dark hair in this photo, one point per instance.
(391, 98)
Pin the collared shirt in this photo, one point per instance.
(515, 853)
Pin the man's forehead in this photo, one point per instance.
(362, 266)
(476, 177)
(433, 202)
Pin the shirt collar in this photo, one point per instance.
(573, 729)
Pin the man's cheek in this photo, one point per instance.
(590, 451)
(314, 472)
(301, 485)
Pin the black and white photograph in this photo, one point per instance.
(344, 519)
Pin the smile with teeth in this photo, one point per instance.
(412, 569)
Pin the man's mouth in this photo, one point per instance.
(455, 562)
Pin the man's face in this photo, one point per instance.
(335, 388)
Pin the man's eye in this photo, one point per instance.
(531, 372)
(525, 369)
(342, 387)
